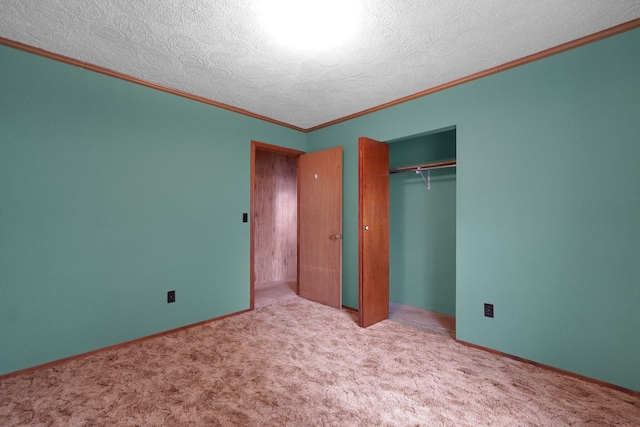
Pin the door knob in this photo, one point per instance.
(366, 227)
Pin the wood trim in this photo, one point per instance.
(600, 35)
(131, 79)
(252, 221)
(551, 368)
(115, 346)
(276, 149)
(256, 145)
(298, 226)
(610, 32)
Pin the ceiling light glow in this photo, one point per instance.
(308, 25)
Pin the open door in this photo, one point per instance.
(373, 235)
(320, 226)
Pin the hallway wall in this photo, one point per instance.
(276, 226)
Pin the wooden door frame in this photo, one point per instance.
(256, 146)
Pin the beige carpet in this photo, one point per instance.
(297, 363)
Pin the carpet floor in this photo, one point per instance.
(297, 363)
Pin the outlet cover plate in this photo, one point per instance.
(488, 310)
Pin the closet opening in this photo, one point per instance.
(422, 227)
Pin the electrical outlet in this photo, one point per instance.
(245, 217)
(488, 310)
(171, 297)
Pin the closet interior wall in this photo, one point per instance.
(423, 224)
(276, 217)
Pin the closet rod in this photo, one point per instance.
(426, 166)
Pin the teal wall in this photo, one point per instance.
(422, 223)
(547, 205)
(112, 194)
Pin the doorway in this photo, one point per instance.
(296, 223)
(274, 229)
(422, 205)
(406, 251)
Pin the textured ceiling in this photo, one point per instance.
(219, 49)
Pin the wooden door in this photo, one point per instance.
(320, 226)
(373, 235)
